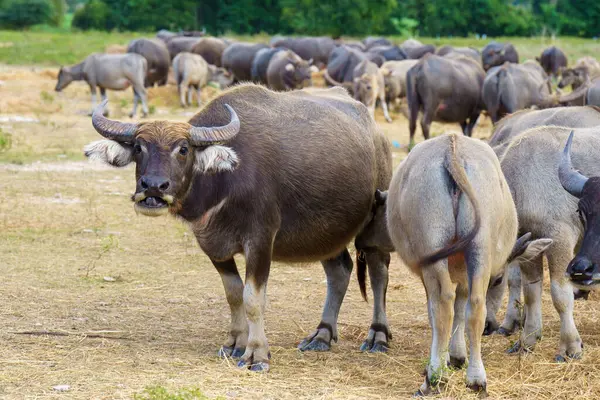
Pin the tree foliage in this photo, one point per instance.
(338, 17)
(24, 13)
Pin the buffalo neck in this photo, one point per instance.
(205, 192)
(76, 71)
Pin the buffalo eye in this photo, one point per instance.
(137, 148)
(183, 150)
(368, 87)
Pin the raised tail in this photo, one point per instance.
(458, 173)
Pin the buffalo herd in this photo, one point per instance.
(277, 170)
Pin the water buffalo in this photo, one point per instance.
(552, 60)
(583, 268)
(238, 57)
(416, 50)
(157, 55)
(368, 86)
(585, 81)
(465, 51)
(178, 44)
(388, 53)
(445, 89)
(287, 71)
(309, 48)
(109, 71)
(192, 71)
(495, 54)
(512, 87)
(211, 49)
(274, 176)
(342, 61)
(260, 63)
(394, 76)
(546, 210)
(515, 124)
(452, 220)
(371, 42)
(504, 132)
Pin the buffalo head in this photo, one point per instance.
(167, 155)
(298, 73)
(572, 76)
(64, 78)
(365, 89)
(583, 270)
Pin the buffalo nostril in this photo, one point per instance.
(164, 186)
(144, 184)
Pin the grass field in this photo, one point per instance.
(134, 309)
(63, 48)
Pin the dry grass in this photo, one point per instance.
(65, 225)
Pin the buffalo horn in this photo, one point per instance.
(570, 179)
(113, 130)
(203, 136)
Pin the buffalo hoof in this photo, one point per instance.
(580, 294)
(316, 344)
(504, 332)
(374, 347)
(480, 388)
(517, 348)
(233, 352)
(490, 327)
(255, 367)
(562, 359)
(456, 363)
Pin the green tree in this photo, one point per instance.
(94, 15)
(24, 13)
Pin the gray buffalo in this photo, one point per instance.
(260, 64)
(247, 186)
(288, 71)
(495, 54)
(451, 218)
(530, 163)
(446, 89)
(512, 87)
(193, 72)
(371, 41)
(465, 51)
(416, 50)
(211, 49)
(238, 57)
(180, 43)
(157, 55)
(552, 60)
(368, 86)
(316, 49)
(109, 71)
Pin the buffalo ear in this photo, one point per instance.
(215, 159)
(110, 152)
(528, 250)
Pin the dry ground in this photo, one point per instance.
(77, 261)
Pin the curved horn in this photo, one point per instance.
(203, 136)
(570, 179)
(113, 130)
(575, 94)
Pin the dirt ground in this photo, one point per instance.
(132, 302)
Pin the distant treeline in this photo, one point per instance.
(323, 17)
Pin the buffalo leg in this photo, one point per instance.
(440, 303)
(458, 346)
(412, 123)
(470, 125)
(235, 345)
(559, 256)
(379, 333)
(103, 97)
(94, 97)
(199, 94)
(258, 264)
(136, 99)
(338, 272)
(384, 107)
(426, 121)
(182, 92)
(189, 95)
(494, 298)
(532, 275)
(140, 94)
(478, 274)
(512, 319)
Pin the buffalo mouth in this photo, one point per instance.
(152, 206)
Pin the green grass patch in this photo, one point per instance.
(5, 141)
(161, 393)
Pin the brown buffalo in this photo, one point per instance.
(495, 54)
(273, 176)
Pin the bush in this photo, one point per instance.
(94, 15)
(25, 13)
